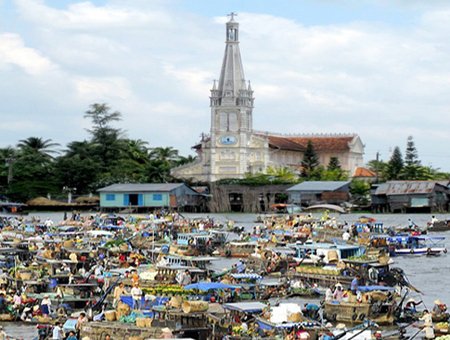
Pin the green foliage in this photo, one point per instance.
(411, 154)
(360, 191)
(106, 158)
(378, 167)
(334, 164)
(310, 161)
(395, 165)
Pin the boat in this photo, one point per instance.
(416, 245)
(238, 249)
(439, 226)
(376, 305)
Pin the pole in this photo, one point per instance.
(376, 168)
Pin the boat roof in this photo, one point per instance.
(245, 307)
(246, 276)
(320, 245)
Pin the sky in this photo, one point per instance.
(380, 69)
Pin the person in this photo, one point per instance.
(46, 305)
(136, 294)
(311, 310)
(166, 333)
(185, 278)
(118, 292)
(2, 302)
(338, 294)
(410, 306)
(346, 236)
(329, 294)
(411, 224)
(3, 335)
(82, 319)
(428, 324)
(355, 283)
(72, 336)
(433, 221)
(17, 300)
(439, 307)
(57, 332)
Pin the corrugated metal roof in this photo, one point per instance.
(141, 187)
(319, 186)
(406, 187)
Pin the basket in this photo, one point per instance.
(25, 276)
(194, 306)
(122, 310)
(68, 244)
(110, 315)
(144, 322)
(176, 301)
(295, 317)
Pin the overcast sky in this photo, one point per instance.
(377, 68)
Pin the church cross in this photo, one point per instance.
(232, 15)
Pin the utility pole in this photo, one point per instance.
(377, 167)
(9, 163)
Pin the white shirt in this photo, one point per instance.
(346, 236)
(57, 333)
(136, 293)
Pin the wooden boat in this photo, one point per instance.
(439, 226)
(375, 306)
(239, 249)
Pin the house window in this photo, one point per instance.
(157, 197)
(110, 197)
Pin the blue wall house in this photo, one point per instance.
(318, 192)
(149, 196)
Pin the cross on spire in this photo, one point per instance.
(232, 15)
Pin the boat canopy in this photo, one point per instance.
(205, 286)
(246, 276)
(326, 206)
(245, 307)
(366, 289)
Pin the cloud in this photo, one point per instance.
(155, 63)
(14, 52)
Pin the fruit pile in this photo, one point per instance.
(317, 270)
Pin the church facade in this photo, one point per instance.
(233, 148)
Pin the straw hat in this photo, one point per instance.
(340, 326)
(411, 300)
(438, 302)
(166, 330)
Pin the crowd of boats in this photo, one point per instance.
(287, 277)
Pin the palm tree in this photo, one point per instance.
(165, 154)
(38, 145)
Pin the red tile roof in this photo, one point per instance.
(321, 144)
(364, 172)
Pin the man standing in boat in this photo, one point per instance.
(355, 284)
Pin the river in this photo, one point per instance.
(431, 275)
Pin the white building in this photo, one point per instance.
(233, 148)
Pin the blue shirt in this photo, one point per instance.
(354, 284)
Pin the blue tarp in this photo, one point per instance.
(70, 325)
(245, 307)
(246, 276)
(157, 302)
(373, 288)
(210, 285)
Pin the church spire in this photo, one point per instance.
(232, 79)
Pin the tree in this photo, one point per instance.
(360, 191)
(379, 168)
(310, 160)
(411, 170)
(107, 139)
(395, 165)
(282, 173)
(38, 145)
(411, 155)
(334, 164)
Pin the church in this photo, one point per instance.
(233, 148)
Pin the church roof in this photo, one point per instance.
(364, 172)
(325, 143)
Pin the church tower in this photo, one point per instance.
(231, 104)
